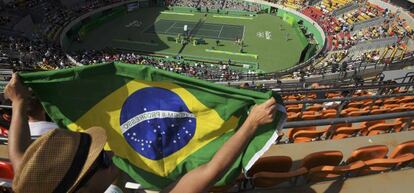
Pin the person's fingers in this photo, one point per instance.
(6, 92)
(270, 102)
(13, 79)
(273, 109)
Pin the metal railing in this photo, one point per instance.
(334, 121)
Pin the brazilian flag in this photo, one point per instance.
(159, 124)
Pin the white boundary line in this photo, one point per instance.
(170, 27)
(222, 26)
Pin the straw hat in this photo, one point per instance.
(58, 158)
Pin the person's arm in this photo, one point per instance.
(202, 178)
(19, 133)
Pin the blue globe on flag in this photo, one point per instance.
(156, 122)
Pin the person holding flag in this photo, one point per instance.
(67, 161)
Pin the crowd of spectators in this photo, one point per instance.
(221, 71)
(216, 4)
(4, 20)
(35, 53)
(39, 54)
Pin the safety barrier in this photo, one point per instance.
(372, 44)
(345, 8)
(368, 23)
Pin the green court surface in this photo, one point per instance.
(198, 29)
(269, 43)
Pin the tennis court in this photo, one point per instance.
(198, 29)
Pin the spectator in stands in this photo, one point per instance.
(60, 160)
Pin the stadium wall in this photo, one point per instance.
(218, 11)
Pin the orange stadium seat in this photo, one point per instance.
(323, 158)
(271, 164)
(368, 153)
(399, 109)
(402, 149)
(294, 109)
(328, 115)
(292, 116)
(345, 132)
(357, 113)
(314, 107)
(321, 173)
(308, 135)
(355, 104)
(406, 99)
(273, 170)
(391, 106)
(366, 125)
(390, 101)
(311, 117)
(378, 111)
(380, 128)
(292, 131)
(386, 164)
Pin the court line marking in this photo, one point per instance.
(135, 42)
(170, 27)
(255, 56)
(175, 13)
(222, 26)
(201, 29)
(233, 17)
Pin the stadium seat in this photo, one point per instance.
(269, 179)
(294, 109)
(357, 113)
(345, 132)
(391, 106)
(399, 109)
(402, 149)
(308, 135)
(273, 170)
(326, 111)
(368, 153)
(378, 111)
(380, 128)
(323, 158)
(6, 170)
(405, 123)
(271, 164)
(366, 125)
(292, 116)
(314, 107)
(355, 104)
(386, 164)
(322, 173)
(328, 115)
(292, 131)
(406, 99)
(332, 128)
